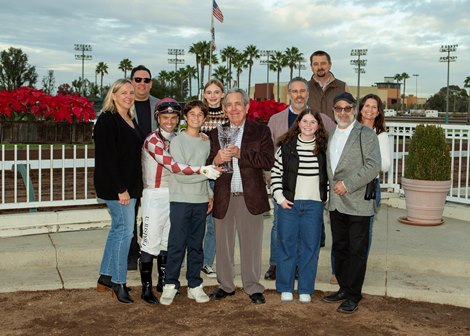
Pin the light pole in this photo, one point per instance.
(83, 57)
(359, 64)
(268, 54)
(448, 49)
(176, 61)
(416, 76)
(301, 65)
(454, 96)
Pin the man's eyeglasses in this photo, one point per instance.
(346, 109)
(139, 79)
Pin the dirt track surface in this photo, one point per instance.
(86, 312)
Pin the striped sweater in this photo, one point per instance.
(307, 175)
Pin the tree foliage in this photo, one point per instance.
(293, 59)
(457, 97)
(251, 53)
(125, 65)
(15, 71)
(101, 69)
(48, 82)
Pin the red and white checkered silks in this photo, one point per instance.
(157, 163)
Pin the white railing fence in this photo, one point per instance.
(56, 176)
(39, 176)
(458, 140)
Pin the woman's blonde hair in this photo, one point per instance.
(108, 103)
(217, 83)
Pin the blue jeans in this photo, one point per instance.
(114, 262)
(299, 234)
(273, 245)
(209, 238)
(186, 233)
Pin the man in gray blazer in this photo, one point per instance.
(144, 105)
(353, 161)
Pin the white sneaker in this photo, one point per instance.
(169, 292)
(209, 271)
(305, 298)
(287, 297)
(197, 293)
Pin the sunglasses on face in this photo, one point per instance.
(139, 79)
(346, 109)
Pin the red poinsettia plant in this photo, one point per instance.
(261, 111)
(29, 104)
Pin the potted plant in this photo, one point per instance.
(427, 176)
(28, 115)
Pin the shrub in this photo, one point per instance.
(429, 155)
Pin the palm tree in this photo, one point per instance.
(239, 62)
(221, 73)
(404, 76)
(201, 50)
(251, 53)
(181, 79)
(276, 63)
(163, 77)
(172, 78)
(293, 58)
(190, 74)
(197, 49)
(397, 77)
(101, 69)
(125, 65)
(227, 54)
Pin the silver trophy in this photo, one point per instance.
(227, 136)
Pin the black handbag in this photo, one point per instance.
(371, 187)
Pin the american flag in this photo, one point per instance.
(217, 12)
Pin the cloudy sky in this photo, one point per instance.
(401, 36)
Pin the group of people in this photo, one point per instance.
(320, 153)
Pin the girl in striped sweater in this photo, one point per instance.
(299, 186)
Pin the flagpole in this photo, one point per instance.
(212, 39)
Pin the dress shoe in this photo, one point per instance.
(220, 294)
(335, 297)
(257, 298)
(347, 307)
(104, 283)
(270, 273)
(121, 292)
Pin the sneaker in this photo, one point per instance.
(169, 292)
(287, 297)
(209, 272)
(197, 293)
(305, 298)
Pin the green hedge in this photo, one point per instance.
(429, 155)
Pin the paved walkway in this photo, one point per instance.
(419, 263)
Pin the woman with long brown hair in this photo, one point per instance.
(299, 186)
